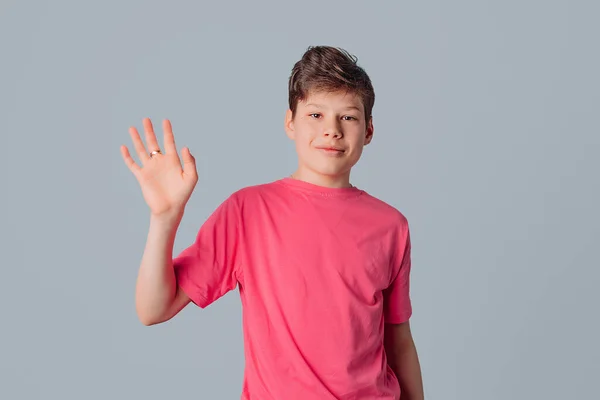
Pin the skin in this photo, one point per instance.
(328, 119)
(166, 187)
(403, 359)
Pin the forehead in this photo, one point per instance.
(327, 99)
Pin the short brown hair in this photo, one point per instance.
(326, 68)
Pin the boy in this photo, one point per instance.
(322, 266)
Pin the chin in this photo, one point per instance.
(330, 171)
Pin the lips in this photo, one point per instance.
(331, 148)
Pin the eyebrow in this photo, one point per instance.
(345, 108)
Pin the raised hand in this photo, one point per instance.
(166, 186)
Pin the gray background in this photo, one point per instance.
(486, 124)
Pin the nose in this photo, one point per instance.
(333, 129)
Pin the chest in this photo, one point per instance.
(318, 252)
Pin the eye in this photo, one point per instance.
(350, 118)
(313, 115)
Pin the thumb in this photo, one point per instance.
(189, 162)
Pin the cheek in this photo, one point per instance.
(357, 149)
(357, 141)
(356, 153)
(303, 137)
(302, 145)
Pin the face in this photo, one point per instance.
(329, 131)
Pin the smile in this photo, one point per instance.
(331, 151)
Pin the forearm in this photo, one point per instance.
(156, 284)
(405, 363)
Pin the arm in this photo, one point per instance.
(158, 297)
(166, 187)
(402, 358)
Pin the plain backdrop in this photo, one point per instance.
(486, 138)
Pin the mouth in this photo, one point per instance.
(331, 149)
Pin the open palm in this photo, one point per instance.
(166, 186)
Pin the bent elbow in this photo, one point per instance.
(146, 321)
(146, 318)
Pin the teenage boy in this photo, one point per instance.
(322, 266)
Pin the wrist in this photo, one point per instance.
(167, 220)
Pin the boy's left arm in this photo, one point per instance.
(402, 358)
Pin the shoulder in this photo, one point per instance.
(252, 195)
(253, 191)
(384, 210)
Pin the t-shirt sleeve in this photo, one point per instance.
(210, 266)
(397, 302)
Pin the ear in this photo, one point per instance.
(369, 132)
(289, 125)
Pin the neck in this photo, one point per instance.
(330, 181)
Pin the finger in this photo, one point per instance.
(189, 163)
(138, 145)
(151, 141)
(133, 167)
(169, 138)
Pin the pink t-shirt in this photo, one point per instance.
(319, 272)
